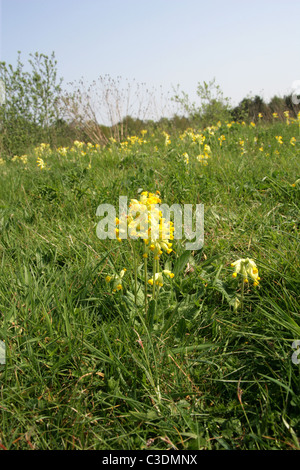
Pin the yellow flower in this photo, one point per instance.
(41, 163)
(78, 144)
(247, 268)
(62, 150)
(293, 141)
(167, 138)
(168, 273)
(287, 116)
(117, 280)
(279, 139)
(203, 159)
(296, 183)
(221, 139)
(186, 158)
(159, 278)
(236, 304)
(152, 226)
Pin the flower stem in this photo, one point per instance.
(154, 283)
(135, 274)
(146, 280)
(242, 295)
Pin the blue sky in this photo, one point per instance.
(250, 47)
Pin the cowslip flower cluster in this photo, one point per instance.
(42, 150)
(186, 158)
(40, 163)
(144, 220)
(247, 268)
(116, 280)
(159, 281)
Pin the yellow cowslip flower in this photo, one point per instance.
(279, 139)
(168, 273)
(78, 144)
(275, 115)
(62, 151)
(236, 304)
(186, 158)
(199, 138)
(252, 124)
(203, 159)
(296, 183)
(207, 149)
(260, 115)
(24, 159)
(247, 268)
(159, 278)
(167, 138)
(293, 141)
(146, 206)
(221, 139)
(287, 117)
(42, 149)
(41, 163)
(117, 280)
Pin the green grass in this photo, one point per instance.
(86, 368)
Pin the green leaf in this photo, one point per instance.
(181, 262)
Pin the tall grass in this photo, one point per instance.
(85, 367)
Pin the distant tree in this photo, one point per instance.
(31, 102)
(213, 107)
(249, 109)
(277, 105)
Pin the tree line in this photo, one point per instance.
(35, 108)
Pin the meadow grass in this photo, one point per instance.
(88, 368)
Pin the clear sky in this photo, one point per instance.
(249, 46)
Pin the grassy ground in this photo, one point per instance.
(86, 367)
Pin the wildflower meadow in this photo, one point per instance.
(138, 343)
